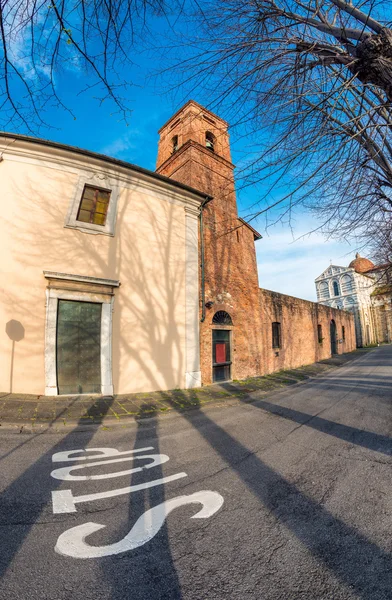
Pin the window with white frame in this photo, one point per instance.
(94, 204)
(93, 207)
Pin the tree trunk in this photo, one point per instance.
(374, 61)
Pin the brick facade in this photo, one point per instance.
(231, 279)
(299, 321)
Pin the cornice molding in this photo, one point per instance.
(81, 278)
(201, 148)
(199, 107)
(65, 160)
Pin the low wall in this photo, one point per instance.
(299, 332)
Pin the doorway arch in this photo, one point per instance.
(332, 329)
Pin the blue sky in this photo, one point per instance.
(288, 259)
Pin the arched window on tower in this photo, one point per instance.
(336, 289)
(174, 144)
(210, 141)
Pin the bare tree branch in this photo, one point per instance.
(40, 40)
(311, 81)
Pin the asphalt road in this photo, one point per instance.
(286, 498)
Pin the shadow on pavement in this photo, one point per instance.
(152, 566)
(23, 501)
(355, 560)
(359, 437)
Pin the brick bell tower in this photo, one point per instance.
(194, 149)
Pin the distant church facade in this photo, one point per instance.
(116, 279)
(365, 290)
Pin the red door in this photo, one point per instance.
(221, 363)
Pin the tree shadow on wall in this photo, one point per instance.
(149, 300)
(152, 311)
(144, 254)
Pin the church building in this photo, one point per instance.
(365, 290)
(116, 279)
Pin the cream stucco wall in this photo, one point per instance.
(155, 308)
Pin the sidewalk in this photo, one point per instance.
(24, 412)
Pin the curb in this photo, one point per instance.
(109, 423)
(28, 428)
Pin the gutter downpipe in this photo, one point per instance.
(203, 307)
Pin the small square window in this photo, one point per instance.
(93, 207)
(276, 335)
(94, 204)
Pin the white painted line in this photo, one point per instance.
(72, 542)
(64, 473)
(103, 453)
(64, 502)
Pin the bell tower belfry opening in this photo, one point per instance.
(194, 126)
(194, 148)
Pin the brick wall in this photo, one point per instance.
(231, 279)
(299, 320)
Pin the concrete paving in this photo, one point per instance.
(304, 476)
(29, 412)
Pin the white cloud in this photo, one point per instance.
(28, 54)
(123, 147)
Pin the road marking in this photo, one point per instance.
(72, 542)
(65, 472)
(64, 502)
(103, 453)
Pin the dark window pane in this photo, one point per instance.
(87, 204)
(319, 333)
(89, 193)
(84, 216)
(221, 373)
(276, 338)
(221, 334)
(94, 205)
